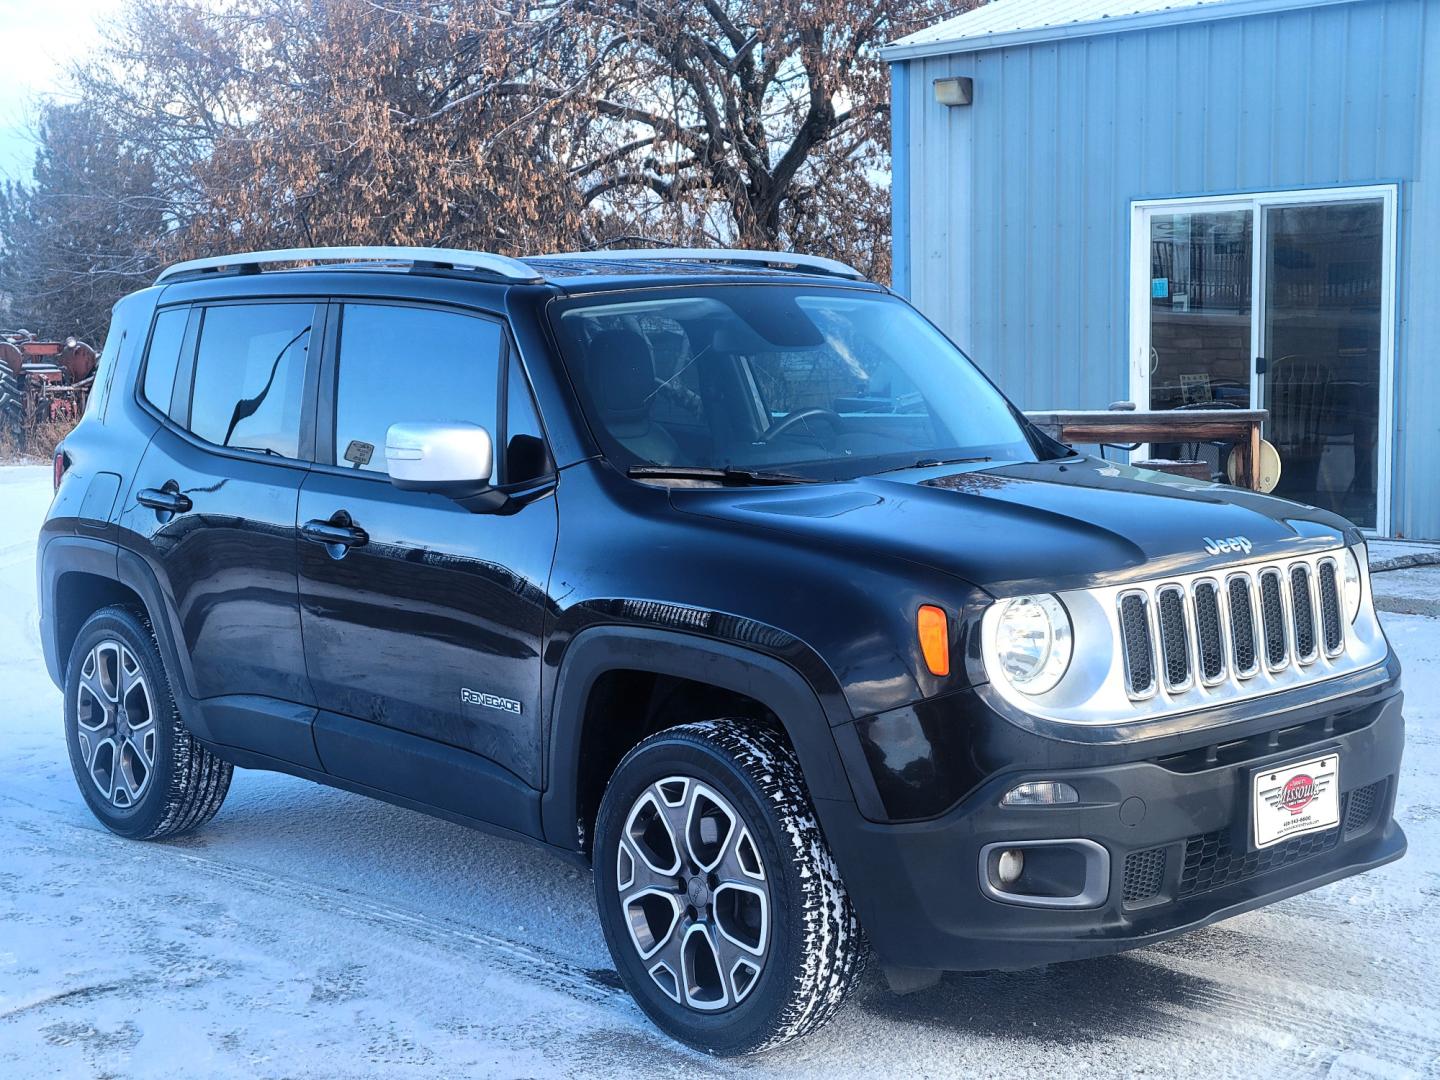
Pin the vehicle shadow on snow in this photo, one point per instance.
(1070, 1004)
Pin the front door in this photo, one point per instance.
(429, 627)
(1278, 302)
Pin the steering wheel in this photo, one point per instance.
(790, 419)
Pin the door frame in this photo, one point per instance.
(1257, 202)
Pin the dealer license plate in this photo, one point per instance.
(1293, 800)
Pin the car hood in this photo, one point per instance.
(1032, 527)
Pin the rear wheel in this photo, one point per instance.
(140, 770)
(721, 904)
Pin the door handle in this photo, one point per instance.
(166, 500)
(339, 531)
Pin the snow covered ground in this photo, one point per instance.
(309, 932)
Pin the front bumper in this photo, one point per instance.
(1179, 853)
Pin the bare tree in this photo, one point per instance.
(760, 122)
(304, 121)
(518, 125)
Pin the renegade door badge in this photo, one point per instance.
(1229, 543)
(489, 701)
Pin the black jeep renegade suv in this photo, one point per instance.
(726, 574)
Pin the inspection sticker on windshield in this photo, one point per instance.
(1297, 799)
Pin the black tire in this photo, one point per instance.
(184, 784)
(813, 951)
(12, 404)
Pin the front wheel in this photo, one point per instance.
(722, 906)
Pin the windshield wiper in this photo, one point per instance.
(930, 462)
(730, 474)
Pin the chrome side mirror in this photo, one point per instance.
(452, 459)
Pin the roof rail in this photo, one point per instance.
(500, 266)
(775, 259)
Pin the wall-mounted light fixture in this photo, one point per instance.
(956, 91)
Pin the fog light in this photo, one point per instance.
(1040, 793)
(1010, 866)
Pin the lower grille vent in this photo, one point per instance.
(1216, 859)
(1360, 812)
(1144, 874)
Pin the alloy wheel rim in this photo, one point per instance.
(115, 724)
(694, 894)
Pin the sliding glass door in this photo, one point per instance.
(1320, 349)
(1200, 308)
(1282, 302)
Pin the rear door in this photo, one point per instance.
(212, 506)
(423, 635)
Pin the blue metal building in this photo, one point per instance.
(1193, 202)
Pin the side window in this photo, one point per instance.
(250, 376)
(164, 357)
(408, 364)
(99, 397)
(525, 455)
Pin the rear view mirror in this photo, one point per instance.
(452, 459)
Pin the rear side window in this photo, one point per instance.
(249, 385)
(409, 364)
(99, 398)
(164, 357)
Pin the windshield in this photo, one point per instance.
(823, 383)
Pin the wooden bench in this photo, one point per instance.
(1238, 426)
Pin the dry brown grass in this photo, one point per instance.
(37, 445)
(42, 442)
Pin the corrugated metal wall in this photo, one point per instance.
(1019, 206)
(1417, 358)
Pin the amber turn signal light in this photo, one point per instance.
(934, 638)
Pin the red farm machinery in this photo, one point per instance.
(42, 383)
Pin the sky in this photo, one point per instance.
(37, 40)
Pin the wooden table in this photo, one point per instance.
(1238, 426)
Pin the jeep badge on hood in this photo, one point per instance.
(1229, 543)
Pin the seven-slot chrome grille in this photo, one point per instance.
(1210, 629)
(1188, 642)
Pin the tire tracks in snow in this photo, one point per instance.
(1312, 1027)
(1310, 1030)
(23, 548)
(530, 962)
(633, 1042)
(75, 994)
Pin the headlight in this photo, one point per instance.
(1351, 585)
(1034, 642)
